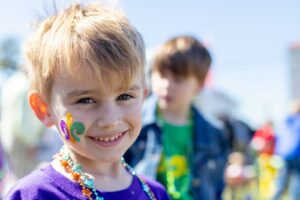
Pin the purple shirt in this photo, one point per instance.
(47, 183)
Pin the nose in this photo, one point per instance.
(166, 85)
(109, 116)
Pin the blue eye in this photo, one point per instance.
(124, 97)
(86, 101)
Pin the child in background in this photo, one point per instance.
(177, 146)
(86, 68)
(7, 176)
(263, 141)
(263, 146)
(239, 177)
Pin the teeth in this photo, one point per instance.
(109, 139)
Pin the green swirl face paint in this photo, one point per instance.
(71, 130)
(77, 128)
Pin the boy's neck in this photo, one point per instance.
(178, 117)
(114, 180)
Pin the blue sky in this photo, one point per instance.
(249, 41)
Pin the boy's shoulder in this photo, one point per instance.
(157, 188)
(207, 132)
(44, 183)
(203, 120)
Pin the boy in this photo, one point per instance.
(177, 146)
(86, 68)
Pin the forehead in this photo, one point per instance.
(170, 73)
(85, 78)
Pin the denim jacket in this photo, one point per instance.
(208, 157)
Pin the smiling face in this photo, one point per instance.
(111, 115)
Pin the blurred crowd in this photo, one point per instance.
(25, 143)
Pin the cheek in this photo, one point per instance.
(72, 127)
(156, 83)
(134, 115)
(80, 117)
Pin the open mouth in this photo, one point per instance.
(112, 140)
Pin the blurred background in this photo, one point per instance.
(254, 44)
(254, 76)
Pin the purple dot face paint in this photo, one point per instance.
(64, 129)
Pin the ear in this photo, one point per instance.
(145, 93)
(40, 108)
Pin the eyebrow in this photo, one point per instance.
(88, 92)
(81, 93)
(135, 87)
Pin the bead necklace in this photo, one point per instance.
(87, 183)
(180, 191)
(171, 187)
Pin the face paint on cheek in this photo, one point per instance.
(64, 129)
(70, 130)
(77, 128)
(69, 119)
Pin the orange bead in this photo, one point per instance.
(75, 176)
(64, 163)
(86, 192)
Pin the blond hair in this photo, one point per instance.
(91, 36)
(183, 56)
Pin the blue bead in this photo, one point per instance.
(89, 183)
(66, 157)
(77, 168)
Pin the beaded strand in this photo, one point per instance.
(145, 186)
(87, 183)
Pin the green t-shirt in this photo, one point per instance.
(173, 171)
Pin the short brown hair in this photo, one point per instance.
(84, 35)
(183, 56)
